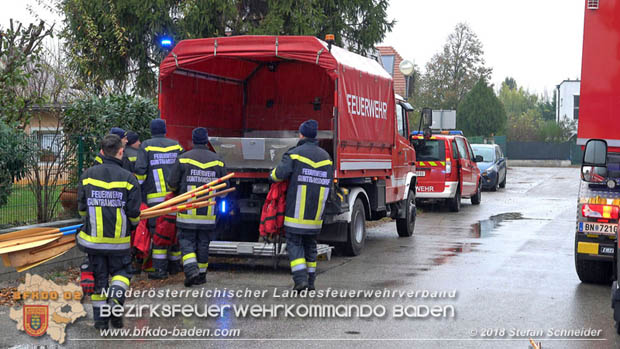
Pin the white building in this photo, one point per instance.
(567, 100)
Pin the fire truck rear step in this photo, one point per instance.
(257, 249)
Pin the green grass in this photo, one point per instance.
(22, 207)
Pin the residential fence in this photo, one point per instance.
(514, 150)
(46, 193)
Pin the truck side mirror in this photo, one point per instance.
(594, 164)
(427, 117)
(595, 153)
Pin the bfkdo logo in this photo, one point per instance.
(36, 318)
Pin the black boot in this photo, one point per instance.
(311, 278)
(101, 324)
(201, 279)
(190, 278)
(117, 322)
(300, 286)
(174, 268)
(158, 274)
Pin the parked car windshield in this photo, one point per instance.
(487, 153)
(430, 150)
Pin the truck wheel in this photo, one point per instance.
(475, 200)
(405, 226)
(356, 229)
(503, 183)
(454, 204)
(593, 272)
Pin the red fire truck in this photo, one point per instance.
(252, 93)
(596, 234)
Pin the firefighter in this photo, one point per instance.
(122, 134)
(196, 228)
(132, 148)
(109, 200)
(155, 159)
(309, 171)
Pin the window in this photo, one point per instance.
(388, 63)
(488, 154)
(593, 4)
(576, 107)
(462, 149)
(400, 121)
(430, 150)
(498, 152)
(455, 151)
(50, 144)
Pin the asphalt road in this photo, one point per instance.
(505, 269)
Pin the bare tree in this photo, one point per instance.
(454, 71)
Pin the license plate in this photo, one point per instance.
(598, 228)
(420, 173)
(606, 250)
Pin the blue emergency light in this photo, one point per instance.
(223, 206)
(451, 133)
(165, 42)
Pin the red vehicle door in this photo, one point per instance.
(403, 157)
(467, 187)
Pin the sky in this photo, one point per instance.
(537, 42)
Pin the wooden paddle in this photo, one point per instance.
(33, 255)
(26, 267)
(184, 207)
(31, 242)
(199, 201)
(35, 232)
(188, 194)
(179, 199)
(25, 245)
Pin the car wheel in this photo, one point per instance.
(454, 204)
(495, 186)
(503, 183)
(405, 226)
(475, 200)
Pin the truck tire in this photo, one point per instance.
(405, 226)
(454, 204)
(477, 198)
(356, 229)
(593, 272)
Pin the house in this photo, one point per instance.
(567, 97)
(390, 59)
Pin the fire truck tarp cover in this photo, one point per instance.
(202, 83)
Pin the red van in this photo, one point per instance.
(446, 169)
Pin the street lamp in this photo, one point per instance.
(407, 68)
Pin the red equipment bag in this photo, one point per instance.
(141, 237)
(272, 216)
(165, 231)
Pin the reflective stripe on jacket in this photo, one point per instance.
(109, 200)
(155, 159)
(309, 170)
(132, 156)
(191, 170)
